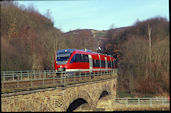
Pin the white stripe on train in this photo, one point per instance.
(79, 70)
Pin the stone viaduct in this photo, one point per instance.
(61, 98)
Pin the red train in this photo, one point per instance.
(75, 60)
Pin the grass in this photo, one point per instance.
(122, 94)
(107, 105)
(141, 108)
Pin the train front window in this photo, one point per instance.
(62, 58)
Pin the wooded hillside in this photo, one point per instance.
(27, 38)
(143, 64)
(29, 41)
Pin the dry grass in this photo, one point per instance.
(140, 108)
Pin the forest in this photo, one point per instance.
(144, 56)
(29, 41)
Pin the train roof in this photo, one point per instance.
(65, 50)
(78, 50)
(71, 50)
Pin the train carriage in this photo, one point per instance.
(75, 60)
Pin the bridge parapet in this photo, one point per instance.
(61, 98)
(12, 81)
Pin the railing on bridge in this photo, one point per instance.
(17, 80)
(141, 101)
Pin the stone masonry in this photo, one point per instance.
(59, 99)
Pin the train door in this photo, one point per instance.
(100, 62)
(106, 63)
(90, 63)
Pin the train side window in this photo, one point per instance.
(98, 63)
(109, 63)
(85, 58)
(103, 63)
(76, 58)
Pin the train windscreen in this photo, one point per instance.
(62, 58)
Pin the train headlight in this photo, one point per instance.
(61, 69)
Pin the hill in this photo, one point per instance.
(143, 69)
(27, 38)
(94, 38)
(29, 41)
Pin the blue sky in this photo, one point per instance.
(99, 14)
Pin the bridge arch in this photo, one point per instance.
(104, 91)
(103, 94)
(79, 99)
(75, 104)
